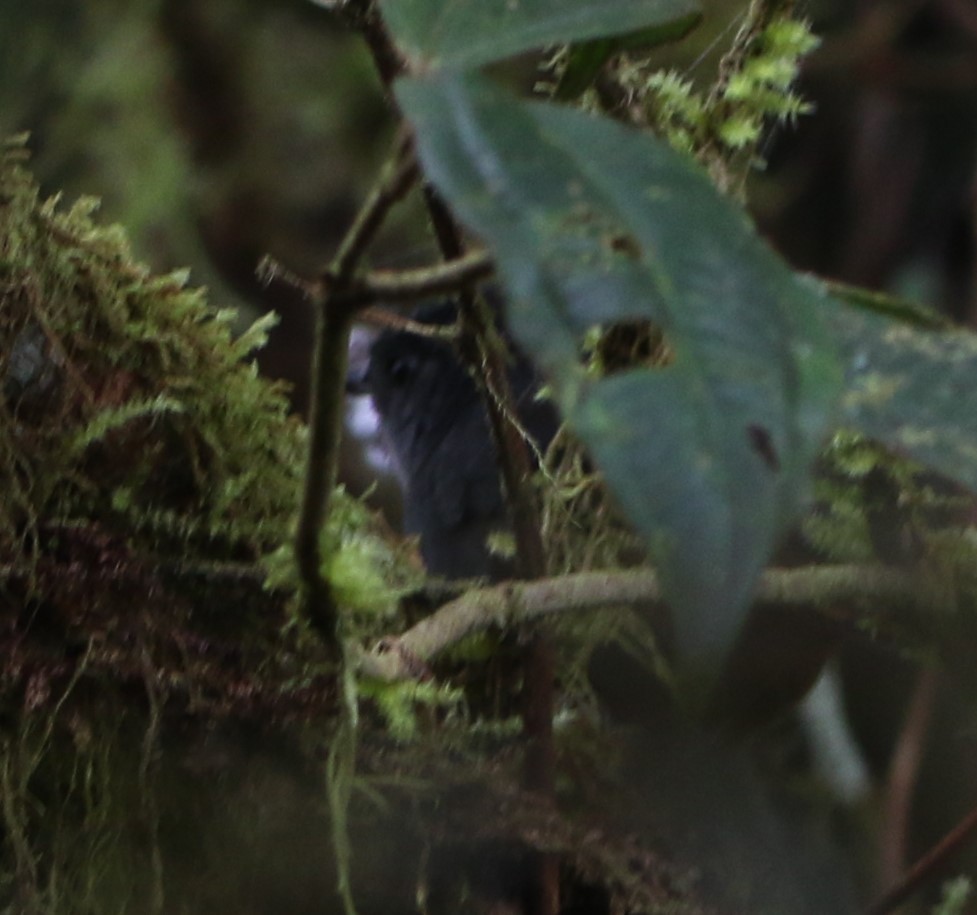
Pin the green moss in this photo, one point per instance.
(125, 397)
(137, 438)
(724, 125)
(402, 704)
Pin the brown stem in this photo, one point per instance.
(538, 662)
(515, 466)
(901, 783)
(489, 354)
(387, 59)
(148, 765)
(485, 352)
(334, 319)
(923, 869)
(328, 387)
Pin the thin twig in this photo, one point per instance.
(923, 869)
(407, 287)
(148, 766)
(364, 18)
(387, 319)
(334, 322)
(394, 183)
(391, 288)
(487, 357)
(538, 663)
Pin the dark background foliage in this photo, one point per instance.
(218, 132)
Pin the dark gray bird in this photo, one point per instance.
(435, 427)
(434, 424)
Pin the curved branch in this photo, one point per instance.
(405, 656)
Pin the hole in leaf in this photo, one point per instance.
(762, 444)
(629, 344)
(622, 243)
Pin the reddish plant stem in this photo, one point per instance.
(487, 357)
(485, 353)
(924, 868)
(903, 774)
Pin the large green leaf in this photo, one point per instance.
(912, 389)
(592, 222)
(469, 33)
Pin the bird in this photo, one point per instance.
(435, 427)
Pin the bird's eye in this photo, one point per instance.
(401, 369)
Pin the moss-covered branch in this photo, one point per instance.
(833, 588)
(334, 319)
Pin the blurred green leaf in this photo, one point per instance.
(469, 33)
(592, 222)
(912, 389)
